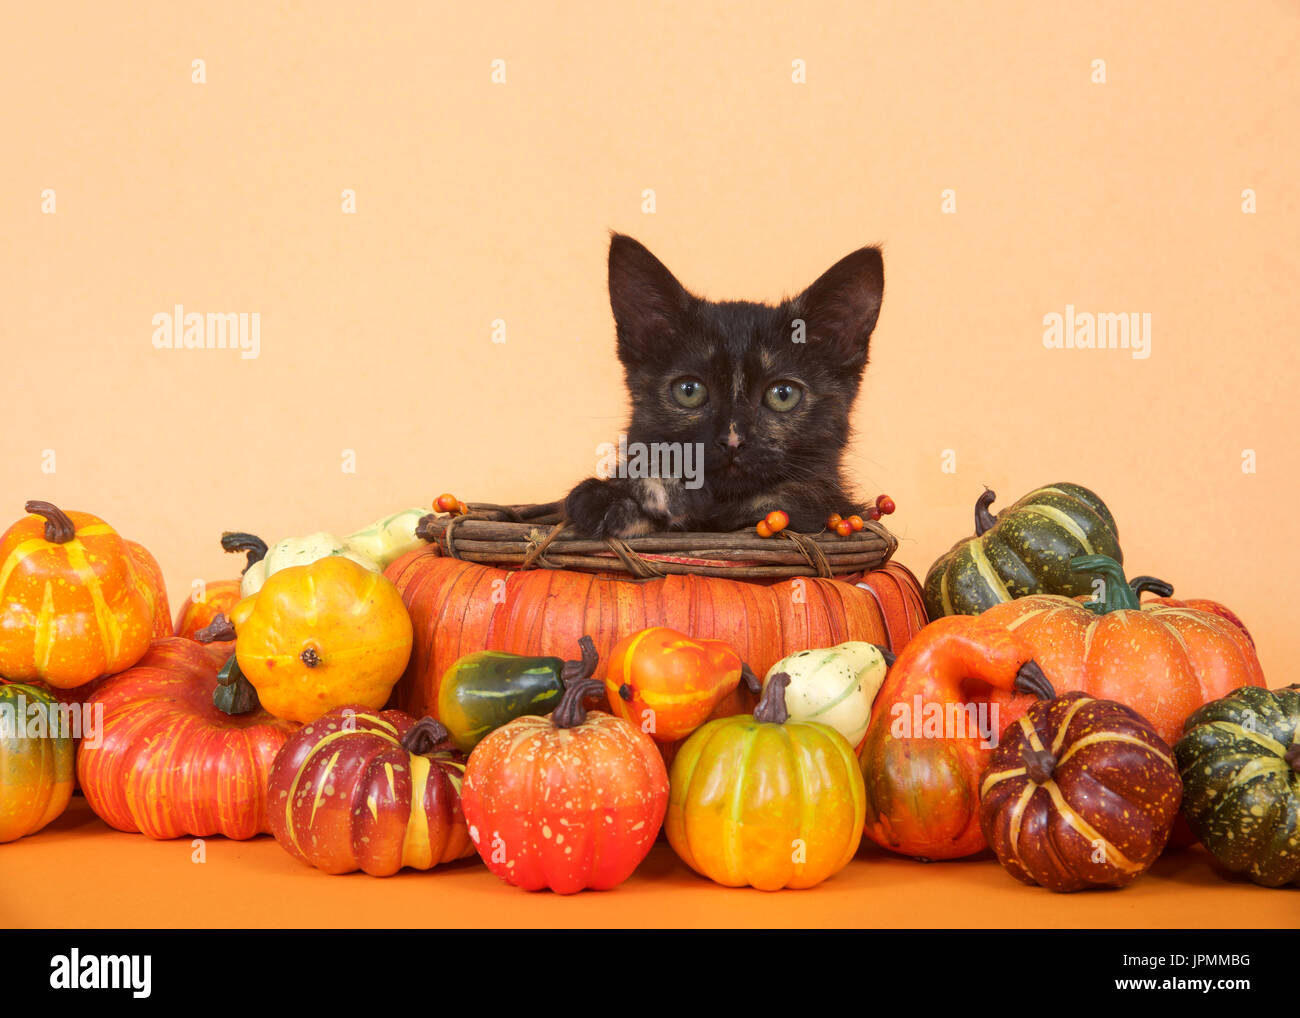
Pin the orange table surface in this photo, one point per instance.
(79, 872)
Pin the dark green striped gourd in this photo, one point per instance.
(1240, 763)
(486, 689)
(1025, 549)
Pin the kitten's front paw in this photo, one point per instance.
(597, 508)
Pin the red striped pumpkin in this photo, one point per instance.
(358, 789)
(1079, 793)
(457, 607)
(168, 762)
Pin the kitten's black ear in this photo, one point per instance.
(645, 296)
(841, 308)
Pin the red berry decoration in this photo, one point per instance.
(567, 801)
(777, 520)
(763, 529)
(446, 503)
(856, 523)
(844, 528)
(833, 521)
(885, 504)
(873, 514)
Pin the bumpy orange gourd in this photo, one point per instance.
(75, 601)
(766, 802)
(320, 636)
(667, 684)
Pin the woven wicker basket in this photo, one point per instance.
(536, 537)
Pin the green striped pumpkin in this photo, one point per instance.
(1240, 763)
(1026, 549)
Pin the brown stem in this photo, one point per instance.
(424, 737)
(585, 667)
(310, 657)
(58, 528)
(1039, 765)
(219, 629)
(1292, 756)
(771, 706)
(752, 682)
(1030, 679)
(571, 713)
(983, 518)
(250, 544)
(889, 656)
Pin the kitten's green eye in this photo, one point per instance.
(783, 396)
(690, 392)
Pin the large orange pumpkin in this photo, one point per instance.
(76, 601)
(458, 606)
(168, 762)
(162, 613)
(1161, 660)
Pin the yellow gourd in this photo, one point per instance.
(322, 635)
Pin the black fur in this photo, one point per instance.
(787, 460)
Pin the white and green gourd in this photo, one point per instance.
(373, 547)
(835, 686)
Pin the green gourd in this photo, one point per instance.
(486, 689)
(1026, 549)
(1240, 762)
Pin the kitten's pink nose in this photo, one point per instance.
(734, 439)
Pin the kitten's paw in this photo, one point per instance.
(598, 508)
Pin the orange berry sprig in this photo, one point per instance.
(844, 527)
(773, 523)
(447, 503)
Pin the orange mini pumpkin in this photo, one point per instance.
(321, 636)
(76, 601)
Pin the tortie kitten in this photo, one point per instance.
(762, 392)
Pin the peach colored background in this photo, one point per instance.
(479, 201)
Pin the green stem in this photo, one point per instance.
(1119, 595)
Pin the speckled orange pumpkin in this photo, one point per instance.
(569, 801)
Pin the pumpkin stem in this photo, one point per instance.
(220, 628)
(58, 528)
(889, 656)
(752, 682)
(571, 713)
(1292, 756)
(771, 707)
(1119, 595)
(234, 694)
(251, 544)
(585, 667)
(1150, 585)
(983, 518)
(309, 657)
(1039, 765)
(1030, 679)
(424, 737)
